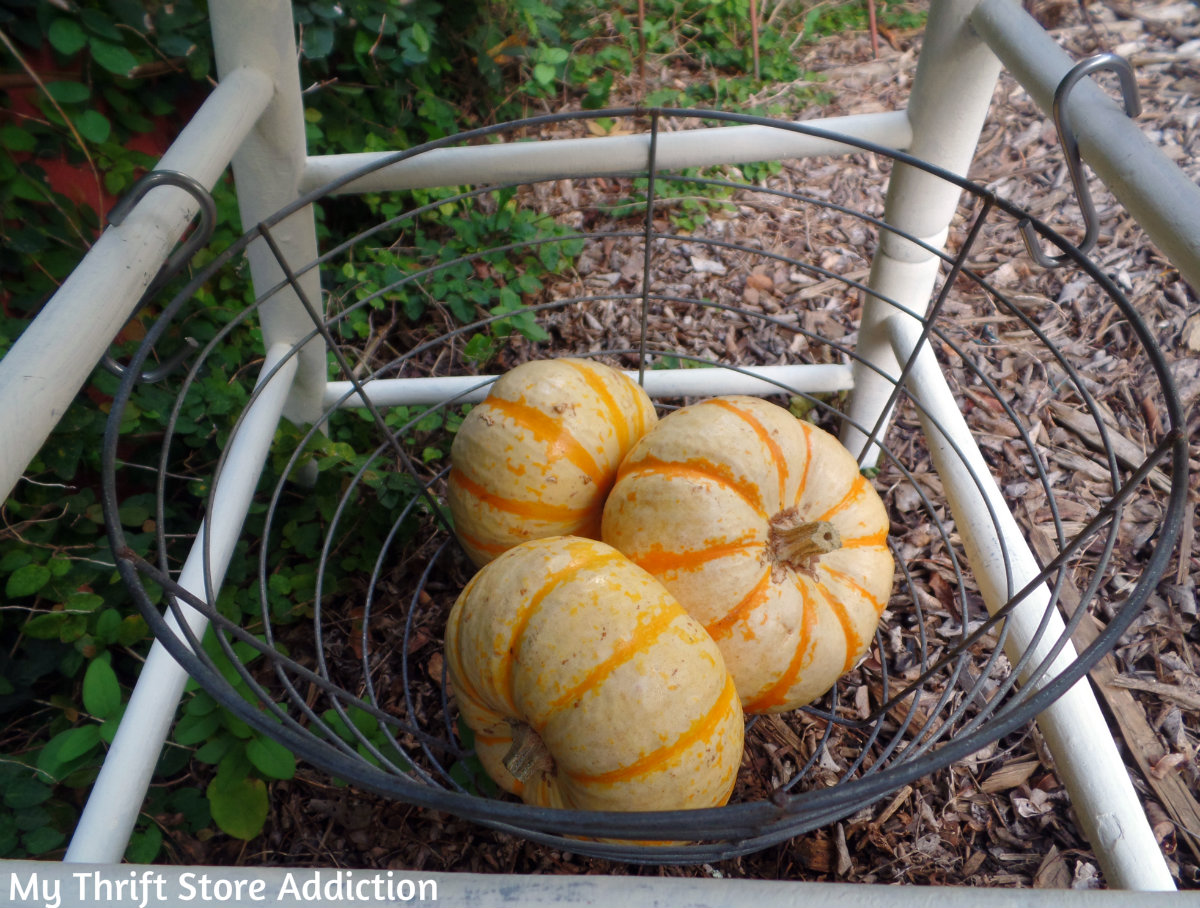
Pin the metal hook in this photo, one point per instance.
(175, 263)
(1070, 145)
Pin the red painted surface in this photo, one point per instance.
(77, 181)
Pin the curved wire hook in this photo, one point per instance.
(1070, 145)
(175, 263)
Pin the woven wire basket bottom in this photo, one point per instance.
(327, 630)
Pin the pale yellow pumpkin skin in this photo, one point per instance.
(628, 694)
(714, 501)
(538, 456)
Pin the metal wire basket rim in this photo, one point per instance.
(640, 825)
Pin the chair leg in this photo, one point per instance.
(117, 796)
(1086, 758)
(268, 170)
(952, 91)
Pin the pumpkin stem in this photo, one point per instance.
(528, 755)
(796, 543)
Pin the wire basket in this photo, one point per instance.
(326, 634)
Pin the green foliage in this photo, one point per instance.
(468, 772)
(379, 75)
(359, 728)
(830, 19)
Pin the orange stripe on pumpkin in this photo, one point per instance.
(808, 458)
(781, 467)
(545, 428)
(493, 548)
(649, 627)
(699, 730)
(854, 641)
(616, 417)
(530, 510)
(658, 561)
(644, 407)
(694, 470)
(874, 540)
(723, 627)
(777, 693)
(587, 559)
(845, 578)
(858, 489)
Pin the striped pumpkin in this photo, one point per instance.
(539, 455)
(588, 686)
(764, 529)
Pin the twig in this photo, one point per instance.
(1127, 452)
(4, 39)
(1188, 699)
(754, 37)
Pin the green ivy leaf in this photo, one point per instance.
(134, 514)
(133, 629)
(317, 42)
(68, 92)
(93, 126)
(46, 626)
(201, 704)
(214, 750)
(144, 845)
(176, 45)
(193, 805)
(84, 602)
(543, 73)
(420, 37)
(9, 838)
(13, 559)
(101, 690)
(480, 348)
(239, 805)
(100, 23)
(27, 580)
(70, 745)
(271, 758)
(108, 626)
(108, 728)
(191, 729)
(66, 36)
(43, 839)
(24, 792)
(113, 57)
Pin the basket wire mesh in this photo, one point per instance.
(345, 674)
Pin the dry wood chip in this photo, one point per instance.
(1128, 452)
(1163, 767)
(844, 864)
(886, 814)
(1011, 775)
(1185, 697)
(1053, 872)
